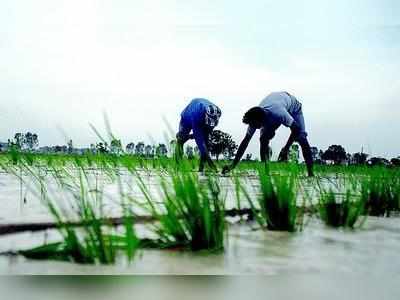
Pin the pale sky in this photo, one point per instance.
(62, 63)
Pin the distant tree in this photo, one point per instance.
(116, 147)
(60, 149)
(222, 143)
(161, 150)
(348, 158)
(378, 161)
(248, 157)
(189, 152)
(130, 148)
(149, 150)
(31, 141)
(317, 155)
(35, 141)
(359, 158)
(28, 141)
(101, 147)
(335, 153)
(19, 140)
(139, 149)
(395, 161)
(70, 146)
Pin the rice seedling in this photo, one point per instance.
(340, 203)
(381, 193)
(93, 241)
(276, 206)
(191, 214)
(338, 210)
(88, 244)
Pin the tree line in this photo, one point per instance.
(219, 143)
(337, 155)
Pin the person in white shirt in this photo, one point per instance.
(276, 109)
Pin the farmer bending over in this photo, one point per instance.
(201, 116)
(276, 109)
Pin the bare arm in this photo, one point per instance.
(239, 154)
(264, 151)
(241, 150)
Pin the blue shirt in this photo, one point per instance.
(193, 117)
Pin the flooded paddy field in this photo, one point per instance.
(21, 200)
(310, 247)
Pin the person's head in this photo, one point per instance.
(213, 113)
(254, 117)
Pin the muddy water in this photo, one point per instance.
(21, 202)
(318, 263)
(373, 250)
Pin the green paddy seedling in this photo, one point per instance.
(338, 210)
(275, 207)
(381, 192)
(192, 211)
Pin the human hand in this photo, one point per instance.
(226, 169)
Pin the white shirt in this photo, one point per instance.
(280, 107)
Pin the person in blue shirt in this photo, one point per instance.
(200, 116)
(276, 109)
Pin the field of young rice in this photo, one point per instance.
(124, 214)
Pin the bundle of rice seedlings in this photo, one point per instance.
(93, 241)
(381, 193)
(338, 210)
(192, 211)
(275, 208)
